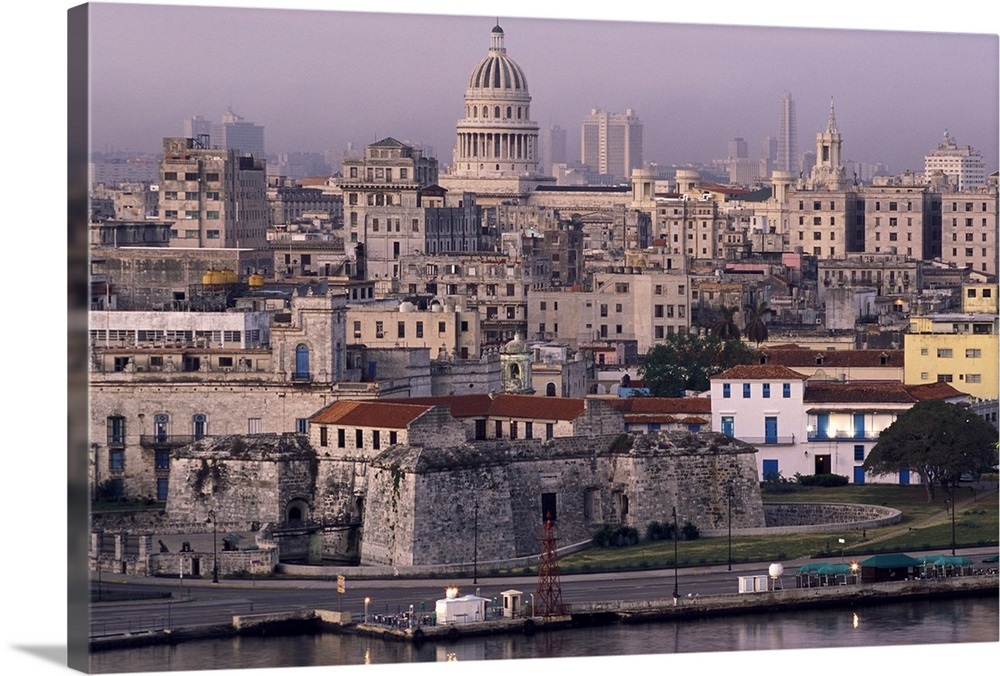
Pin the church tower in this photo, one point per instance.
(828, 174)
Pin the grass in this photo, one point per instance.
(924, 526)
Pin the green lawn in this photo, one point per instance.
(924, 526)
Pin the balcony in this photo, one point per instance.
(843, 435)
(768, 441)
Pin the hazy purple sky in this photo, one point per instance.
(320, 79)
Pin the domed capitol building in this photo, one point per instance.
(496, 149)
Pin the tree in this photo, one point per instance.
(725, 326)
(937, 440)
(756, 328)
(685, 361)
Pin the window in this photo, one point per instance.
(162, 485)
(786, 390)
(859, 452)
(199, 425)
(974, 378)
(746, 390)
(944, 352)
(401, 329)
(549, 430)
(513, 430)
(162, 459)
(376, 439)
(323, 440)
(341, 438)
(726, 390)
(766, 390)
(393, 438)
(255, 425)
(116, 459)
(944, 378)
(359, 439)
(528, 431)
(116, 430)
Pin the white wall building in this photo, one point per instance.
(963, 165)
(813, 427)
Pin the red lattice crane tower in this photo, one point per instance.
(549, 588)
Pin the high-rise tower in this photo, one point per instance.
(787, 145)
(963, 165)
(611, 143)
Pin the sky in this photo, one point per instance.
(318, 79)
(37, 109)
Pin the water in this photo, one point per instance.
(966, 620)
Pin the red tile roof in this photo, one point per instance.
(462, 406)
(539, 408)
(863, 392)
(398, 413)
(654, 405)
(759, 372)
(801, 357)
(383, 414)
(934, 391)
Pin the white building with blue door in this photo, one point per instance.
(810, 426)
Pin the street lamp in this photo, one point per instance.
(367, 600)
(677, 534)
(841, 541)
(729, 494)
(215, 548)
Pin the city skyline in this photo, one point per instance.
(327, 79)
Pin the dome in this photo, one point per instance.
(497, 70)
(516, 346)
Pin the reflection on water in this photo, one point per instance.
(927, 622)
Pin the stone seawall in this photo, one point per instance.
(578, 614)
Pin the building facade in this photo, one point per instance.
(611, 143)
(215, 198)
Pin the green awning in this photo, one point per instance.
(890, 561)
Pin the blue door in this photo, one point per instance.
(904, 476)
(859, 425)
(727, 425)
(770, 469)
(301, 363)
(822, 425)
(859, 475)
(771, 430)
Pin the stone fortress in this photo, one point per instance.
(444, 497)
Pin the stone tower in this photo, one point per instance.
(515, 365)
(828, 174)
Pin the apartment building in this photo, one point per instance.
(214, 197)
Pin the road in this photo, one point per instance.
(200, 602)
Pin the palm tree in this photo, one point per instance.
(756, 327)
(725, 326)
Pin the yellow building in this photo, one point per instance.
(958, 348)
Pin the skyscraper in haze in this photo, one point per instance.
(553, 141)
(787, 146)
(611, 143)
(235, 133)
(197, 125)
